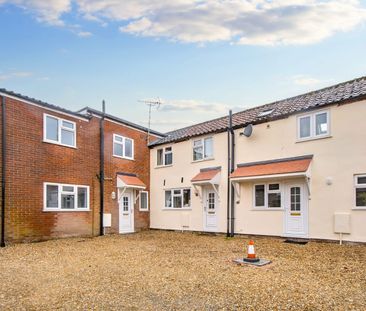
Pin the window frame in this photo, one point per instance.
(60, 127)
(181, 195)
(164, 152)
(313, 134)
(60, 192)
(266, 192)
(202, 140)
(356, 185)
(123, 143)
(147, 201)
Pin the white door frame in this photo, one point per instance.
(304, 210)
(205, 192)
(131, 228)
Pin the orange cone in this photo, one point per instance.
(251, 257)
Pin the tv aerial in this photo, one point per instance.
(151, 103)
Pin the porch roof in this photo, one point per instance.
(296, 166)
(125, 180)
(206, 175)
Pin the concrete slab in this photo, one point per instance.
(260, 263)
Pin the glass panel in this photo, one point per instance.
(208, 148)
(361, 197)
(82, 197)
(178, 191)
(168, 158)
(125, 205)
(211, 201)
(274, 186)
(321, 124)
(67, 137)
(305, 127)
(168, 198)
(160, 157)
(197, 143)
(52, 196)
(143, 198)
(128, 148)
(177, 201)
(295, 199)
(51, 128)
(168, 149)
(274, 199)
(67, 201)
(187, 197)
(118, 149)
(68, 188)
(197, 153)
(68, 124)
(118, 138)
(361, 180)
(259, 195)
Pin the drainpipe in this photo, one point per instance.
(3, 170)
(232, 167)
(101, 174)
(228, 179)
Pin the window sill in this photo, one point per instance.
(58, 144)
(302, 140)
(65, 210)
(177, 209)
(123, 158)
(268, 209)
(143, 210)
(359, 208)
(202, 160)
(162, 166)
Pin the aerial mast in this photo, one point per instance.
(151, 103)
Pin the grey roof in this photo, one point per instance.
(122, 121)
(42, 103)
(337, 94)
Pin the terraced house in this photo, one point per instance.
(52, 163)
(293, 168)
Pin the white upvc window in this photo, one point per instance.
(202, 149)
(164, 156)
(360, 191)
(123, 147)
(59, 131)
(65, 197)
(267, 196)
(178, 198)
(144, 201)
(313, 125)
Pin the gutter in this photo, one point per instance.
(3, 170)
(101, 174)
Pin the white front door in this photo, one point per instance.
(296, 211)
(126, 221)
(210, 205)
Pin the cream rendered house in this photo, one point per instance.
(301, 173)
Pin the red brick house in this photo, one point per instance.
(51, 167)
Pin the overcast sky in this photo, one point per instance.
(201, 58)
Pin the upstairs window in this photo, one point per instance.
(178, 198)
(123, 147)
(203, 149)
(268, 196)
(64, 197)
(164, 156)
(59, 131)
(313, 125)
(360, 191)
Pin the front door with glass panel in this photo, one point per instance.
(210, 205)
(296, 218)
(126, 222)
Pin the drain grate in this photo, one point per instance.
(300, 242)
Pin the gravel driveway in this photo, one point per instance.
(157, 270)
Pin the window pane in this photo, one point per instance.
(67, 201)
(118, 138)
(128, 148)
(321, 123)
(197, 143)
(361, 197)
(197, 153)
(177, 201)
(52, 196)
(82, 197)
(168, 158)
(259, 195)
(67, 137)
(168, 149)
(361, 180)
(208, 147)
(177, 192)
(159, 157)
(68, 124)
(274, 199)
(305, 127)
(168, 198)
(143, 198)
(68, 188)
(187, 197)
(274, 186)
(51, 128)
(118, 149)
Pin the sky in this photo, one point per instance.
(199, 57)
